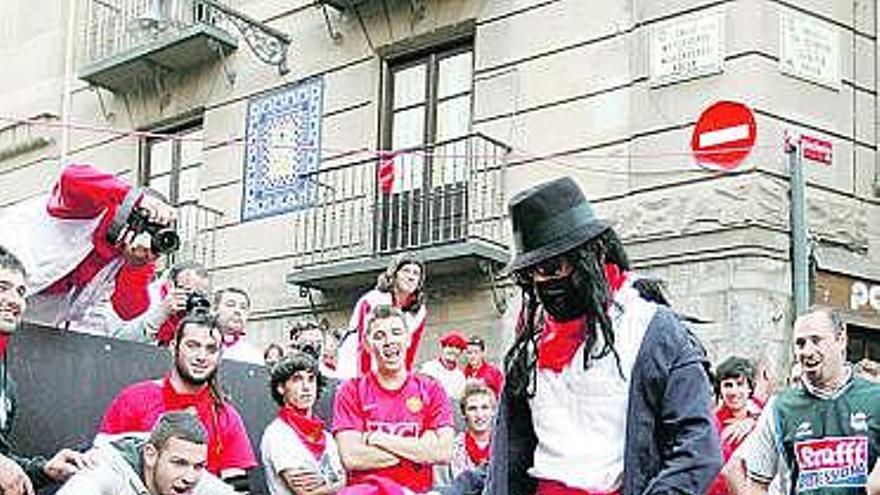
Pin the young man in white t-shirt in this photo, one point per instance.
(299, 456)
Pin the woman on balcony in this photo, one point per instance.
(400, 285)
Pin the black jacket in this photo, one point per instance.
(671, 445)
(32, 466)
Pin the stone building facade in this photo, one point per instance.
(279, 170)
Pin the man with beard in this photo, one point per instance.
(233, 307)
(170, 462)
(392, 425)
(606, 392)
(821, 437)
(191, 383)
(19, 475)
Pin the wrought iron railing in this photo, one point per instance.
(444, 193)
(117, 26)
(197, 227)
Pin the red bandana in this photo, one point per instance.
(477, 455)
(560, 340)
(4, 342)
(176, 401)
(309, 430)
(203, 403)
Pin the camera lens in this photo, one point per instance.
(165, 241)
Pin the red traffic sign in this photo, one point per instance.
(724, 135)
(817, 149)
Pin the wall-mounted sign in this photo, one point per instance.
(816, 149)
(282, 149)
(809, 48)
(687, 47)
(724, 135)
(849, 294)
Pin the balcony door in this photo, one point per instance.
(427, 118)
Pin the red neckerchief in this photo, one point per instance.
(477, 455)
(560, 340)
(4, 343)
(309, 430)
(470, 371)
(176, 401)
(203, 404)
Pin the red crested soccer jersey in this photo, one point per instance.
(419, 405)
(137, 408)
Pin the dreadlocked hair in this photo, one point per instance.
(589, 260)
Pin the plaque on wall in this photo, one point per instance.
(687, 47)
(282, 149)
(809, 49)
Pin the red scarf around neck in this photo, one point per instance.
(177, 401)
(477, 455)
(309, 430)
(560, 340)
(4, 343)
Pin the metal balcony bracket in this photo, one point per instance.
(500, 295)
(306, 292)
(334, 33)
(268, 44)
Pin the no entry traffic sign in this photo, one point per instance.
(724, 135)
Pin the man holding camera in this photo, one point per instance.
(183, 290)
(84, 263)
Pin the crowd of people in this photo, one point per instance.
(604, 390)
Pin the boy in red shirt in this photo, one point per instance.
(392, 425)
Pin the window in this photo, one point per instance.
(172, 165)
(427, 109)
(428, 101)
(863, 342)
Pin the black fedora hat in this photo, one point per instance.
(548, 220)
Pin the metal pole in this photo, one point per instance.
(799, 248)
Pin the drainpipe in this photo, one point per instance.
(877, 98)
(67, 91)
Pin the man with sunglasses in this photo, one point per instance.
(606, 391)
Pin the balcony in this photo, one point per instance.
(131, 41)
(445, 203)
(197, 227)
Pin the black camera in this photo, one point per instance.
(164, 239)
(131, 220)
(313, 349)
(197, 304)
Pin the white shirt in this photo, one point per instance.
(580, 414)
(453, 380)
(282, 449)
(243, 351)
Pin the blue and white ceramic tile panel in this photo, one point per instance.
(282, 147)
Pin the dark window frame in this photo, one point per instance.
(145, 175)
